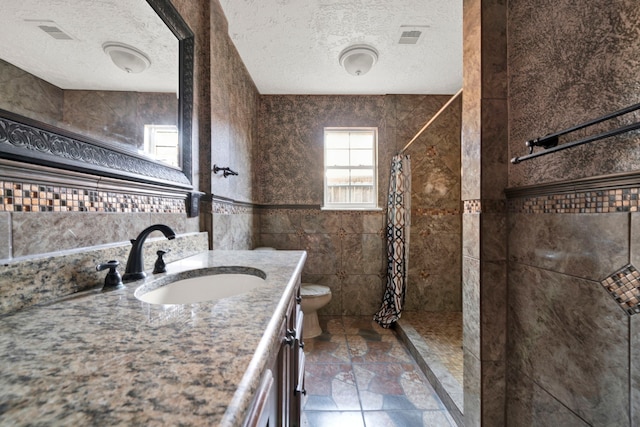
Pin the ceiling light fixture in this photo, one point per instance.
(358, 59)
(127, 58)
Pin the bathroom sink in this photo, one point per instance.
(203, 285)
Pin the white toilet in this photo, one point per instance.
(314, 297)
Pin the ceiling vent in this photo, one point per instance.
(49, 27)
(410, 37)
(55, 32)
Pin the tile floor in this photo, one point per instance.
(442, 331)
(360, 375)
(435, 342)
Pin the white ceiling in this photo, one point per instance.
(288, 46)
(292, 46)
(81, 63)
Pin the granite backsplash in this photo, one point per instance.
(40, 279)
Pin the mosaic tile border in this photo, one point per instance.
(484, 206)
(590, 201)
(29, 197)
(624, 287)
(434, 212)
(229, 208)
(472, 207)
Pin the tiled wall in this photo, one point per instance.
(567, 76)
(27, 95)
(435, 261)
(572, 349)
(234, 106)
(235, 226)
(35, 233)
(347, 249)
(484, 177)
(118, 116)
(569, 363)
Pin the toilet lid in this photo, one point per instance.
(311, 290)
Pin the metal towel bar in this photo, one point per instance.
(550, 142)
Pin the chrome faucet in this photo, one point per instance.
(135, 263)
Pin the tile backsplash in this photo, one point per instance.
(47, 277)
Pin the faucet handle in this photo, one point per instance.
(113, 279)
(160, 266)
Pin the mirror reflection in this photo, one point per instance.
(94, 68)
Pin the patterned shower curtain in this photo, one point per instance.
(398, 223)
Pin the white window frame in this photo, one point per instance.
(150, 132)
(327, 205)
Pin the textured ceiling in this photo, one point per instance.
(292, 46)
(81, 63)
(288, 46)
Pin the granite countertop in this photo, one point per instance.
(109, 359)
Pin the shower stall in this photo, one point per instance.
(423, 293)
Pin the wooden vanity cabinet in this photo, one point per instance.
(278, 400)
(291, 365)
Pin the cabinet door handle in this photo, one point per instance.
(291, 336)
(299, 326)
(301, 365)
(289, 340)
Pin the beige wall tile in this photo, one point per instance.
(572, 339)
(584, 245)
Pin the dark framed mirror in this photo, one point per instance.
(32, 140)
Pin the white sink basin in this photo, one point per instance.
(208, 285)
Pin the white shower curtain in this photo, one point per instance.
(398, 223)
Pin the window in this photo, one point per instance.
(350, 168)
(161, 142)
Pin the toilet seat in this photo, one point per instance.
(313, 290)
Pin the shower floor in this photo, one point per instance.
(435, 341)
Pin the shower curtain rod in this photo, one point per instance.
(435, 116)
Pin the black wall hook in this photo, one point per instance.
(225, 171)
